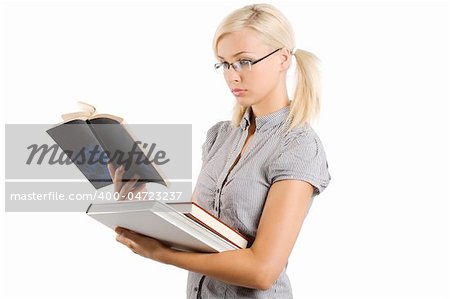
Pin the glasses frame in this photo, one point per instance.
(237, 65)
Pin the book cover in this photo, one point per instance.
(90, 140)
(160, 221)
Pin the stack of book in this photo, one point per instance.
(183, 226)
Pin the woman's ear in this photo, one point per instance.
(285, 58)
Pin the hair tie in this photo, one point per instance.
(293, 51)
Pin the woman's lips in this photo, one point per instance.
(237, 92)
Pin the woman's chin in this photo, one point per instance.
(244, 101)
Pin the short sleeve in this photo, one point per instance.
(302, 158)
(211, 137)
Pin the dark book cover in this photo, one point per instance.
(90, 144)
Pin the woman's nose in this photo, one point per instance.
(231, 75)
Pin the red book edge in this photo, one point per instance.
(210, 228)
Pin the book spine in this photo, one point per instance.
(211, 229)
(102, 144)
(233, 229)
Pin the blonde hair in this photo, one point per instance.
(275, 30)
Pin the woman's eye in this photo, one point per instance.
(245, 61)
(222, 64)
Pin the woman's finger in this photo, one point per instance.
(138, 188)
(127, 187)
(137, 192)
(111, 169)
(118, 178)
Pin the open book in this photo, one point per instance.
(91, 140)
(176, 224)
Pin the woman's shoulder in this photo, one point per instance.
(300, 135)
(301, 156)
(302, 141)
(219, 129)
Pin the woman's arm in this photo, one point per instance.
(256, 267)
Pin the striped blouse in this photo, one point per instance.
(238, 197)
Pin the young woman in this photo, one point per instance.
(260, 170)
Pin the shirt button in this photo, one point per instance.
(217, 190)
(195, 289)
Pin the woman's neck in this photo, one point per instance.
(274, 101)
(261, 110)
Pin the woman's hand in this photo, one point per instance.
(126, 190)
(139, 244)
(142, 245)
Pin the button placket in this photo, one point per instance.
(236, 152)
(216, 201)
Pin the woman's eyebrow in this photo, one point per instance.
(238, 53)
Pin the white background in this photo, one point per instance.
(381, 228)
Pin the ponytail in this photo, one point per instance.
(305, 106)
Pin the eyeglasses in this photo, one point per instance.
(243, 64)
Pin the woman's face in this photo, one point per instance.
(265, 79)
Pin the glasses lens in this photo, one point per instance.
(246, 65)
(222, 66)
(237, 66)
(243, 65)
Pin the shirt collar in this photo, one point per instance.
(266, 121)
